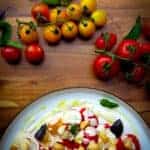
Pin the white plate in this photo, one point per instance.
(35, 113)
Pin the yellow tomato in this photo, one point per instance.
(69, 30)
(99, 17)
(86, 28)
(74, 12)
(88, 6)
(27, 34)
(58, 15)
(52, 34)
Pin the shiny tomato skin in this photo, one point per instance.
(129, 49)
(145, 48)
(136, 75)
(112, 41)
(106, 41)
(100, 43)
(120, 145)
(34, 54)
(135, 141)
(40, 9)
(11, 55)
(105, 67)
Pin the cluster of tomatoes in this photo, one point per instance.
(69, 22)
(126, 58)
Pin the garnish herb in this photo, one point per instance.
(107, 103)
(74, 129)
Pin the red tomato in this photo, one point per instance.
(11, 55)
(70, 144)
(129, 49)
(34, 54)
(136, 75)
(134, 140)
(40, 12)
(106, 41)
(144, 48)
(105, 67)
(120, 145)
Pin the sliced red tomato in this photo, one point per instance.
(135, 141)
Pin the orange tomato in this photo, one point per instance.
(52, 34)
(86, 28)
(74, 12)
(27, 34)
(58, 16)
(40, 12)
(69, 30)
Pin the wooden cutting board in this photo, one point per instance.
(68, 64)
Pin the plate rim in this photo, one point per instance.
(119, 99)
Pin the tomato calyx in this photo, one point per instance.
(41, 19)
(106, 36)
(131, 48)
(106, 67)
(31, 24)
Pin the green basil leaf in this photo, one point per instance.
(74, 129)
(107, 103)
(135, 31)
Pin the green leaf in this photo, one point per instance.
(135, 31)
(15, 44)
(74, 129)
(107, 103)
(51, 2)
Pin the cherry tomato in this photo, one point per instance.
(136, 75)
(129, 49)
(145, 48)
(40, 12)
(106, 41)
(134, 140)
(34, 54)
(120, 145)
(105, 67)
(11, 55)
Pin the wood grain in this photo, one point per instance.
(68, 64)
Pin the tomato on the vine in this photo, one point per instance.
(129, 49)
(106, 41)
(136, 74)
(105, 67)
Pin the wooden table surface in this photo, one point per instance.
(68, 64)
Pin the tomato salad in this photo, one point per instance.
(78, 128)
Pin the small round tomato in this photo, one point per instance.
(105, 67)
(136, 75)
(129, 49)
(69, 30)
(88, 6)
(145, 48)
(120, 145)
(52, 34)
(40, 12)
(130, 138)
(11, 55)
(86, 28)
(74, 12)
(58, 16)
(99, 17)
(34, 54)
(106, 41)
(27, 33)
